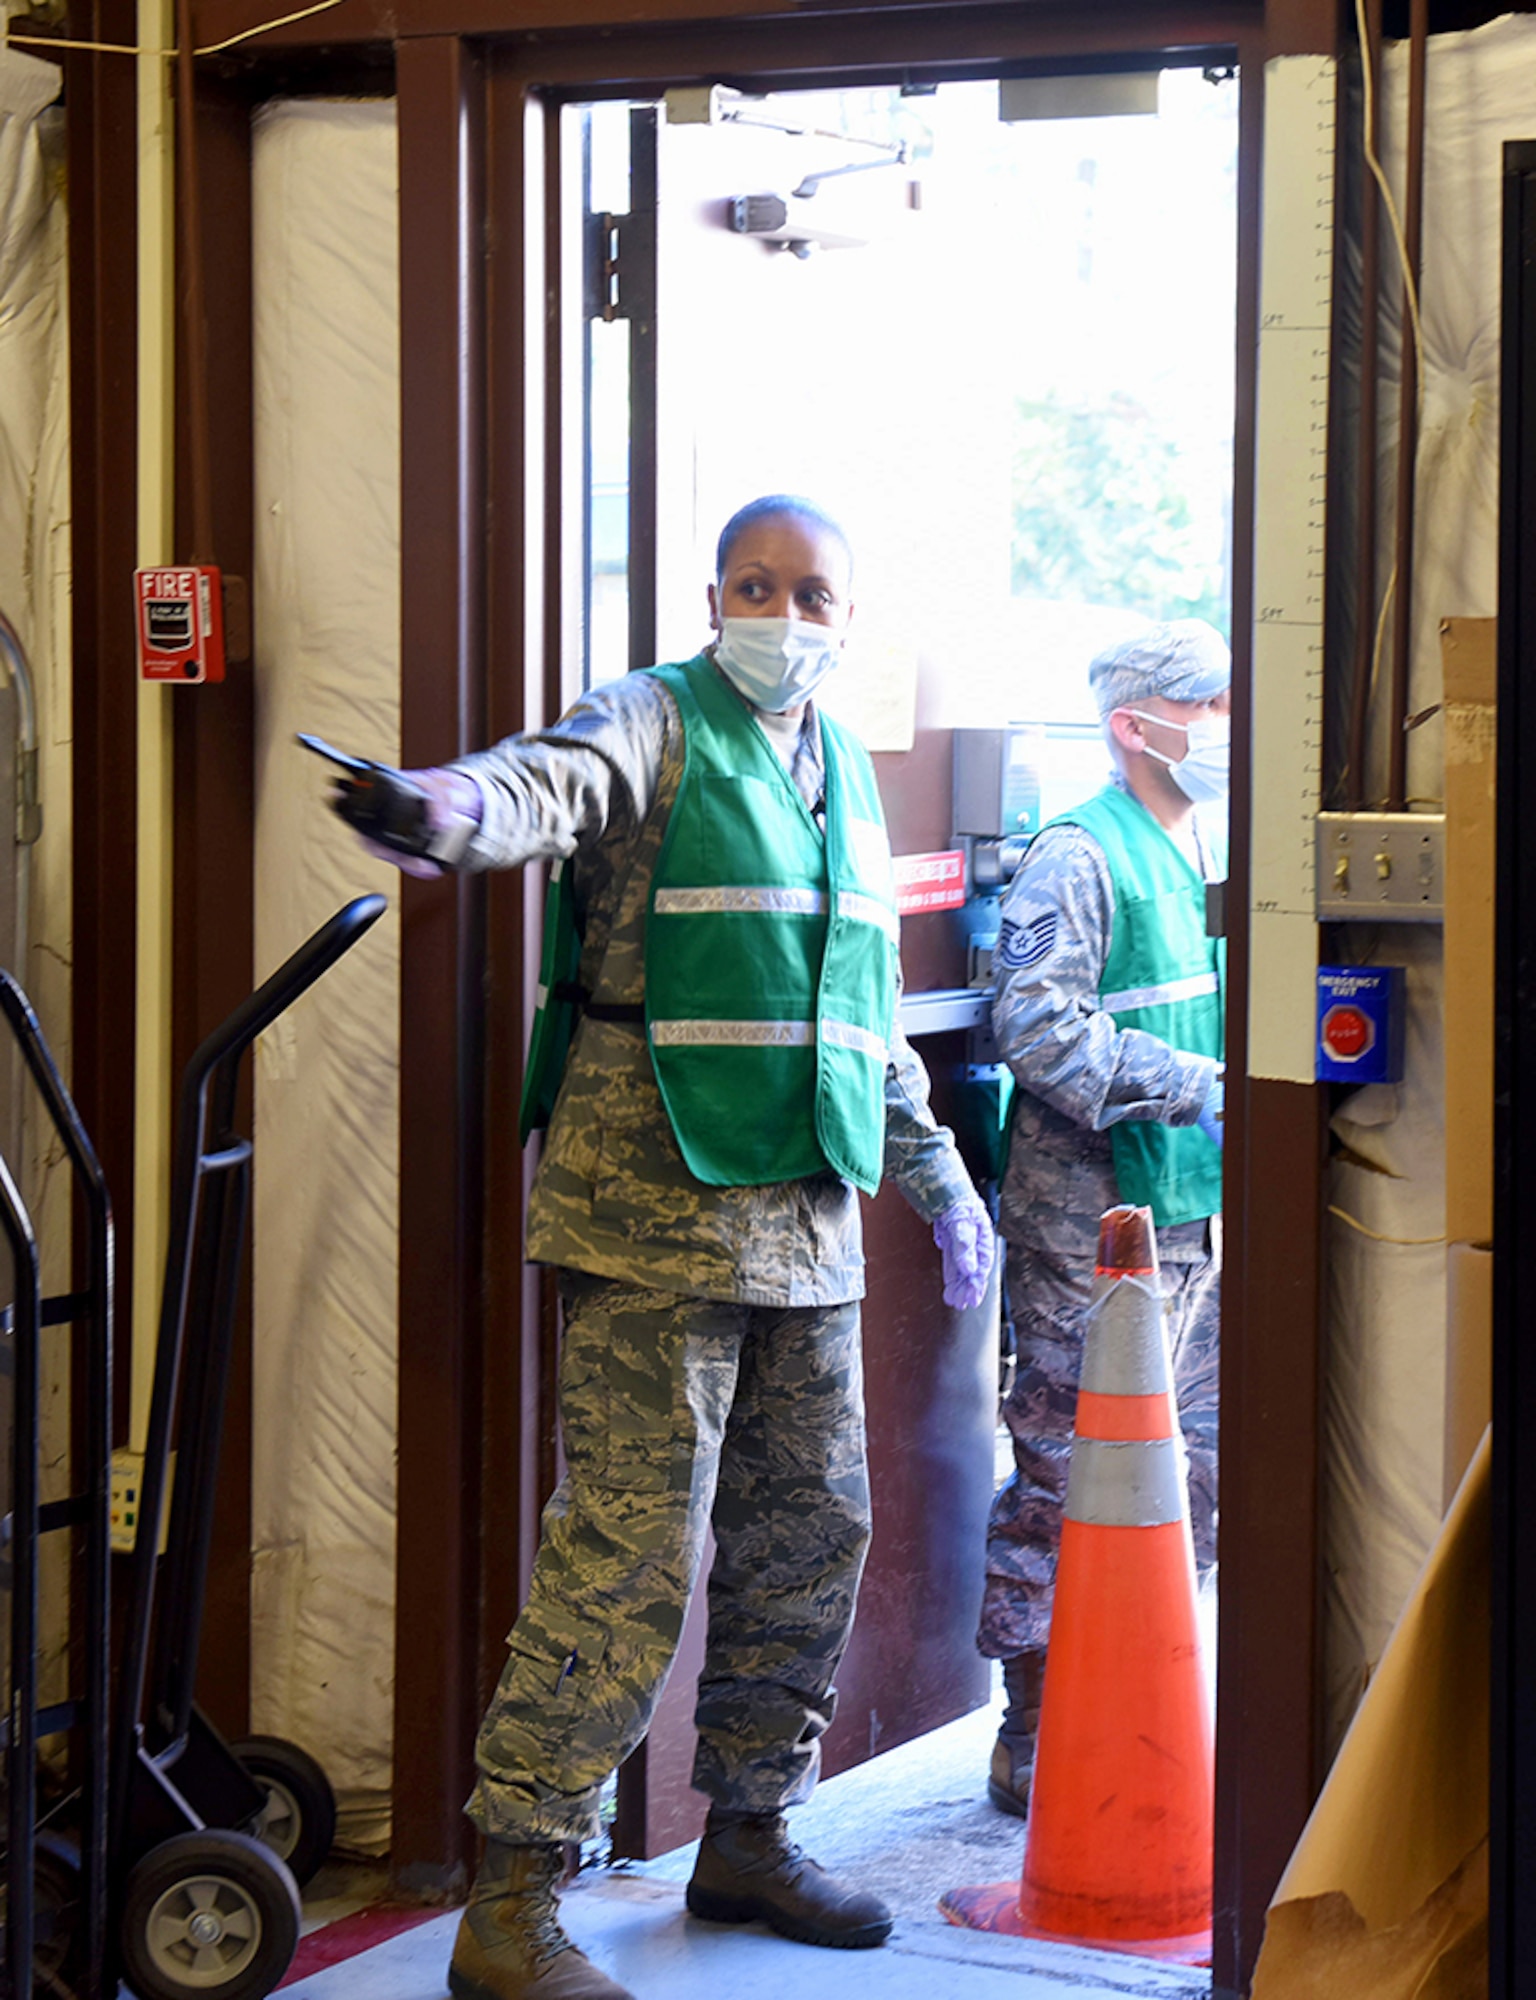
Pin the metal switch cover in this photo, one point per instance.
(1381, 867)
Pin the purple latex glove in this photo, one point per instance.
(1213, 1112)
(454, 808)
(964, 1236)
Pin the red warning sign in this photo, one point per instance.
(929, 881)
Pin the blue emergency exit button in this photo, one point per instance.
(1360, 1023)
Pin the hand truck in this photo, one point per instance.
(179, 1870)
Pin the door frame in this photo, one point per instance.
(480, 376)
(1267, 1727)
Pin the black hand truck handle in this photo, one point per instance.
(21, 1737)
(273, 997)
(207, 1153)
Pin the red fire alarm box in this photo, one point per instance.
(181, 624)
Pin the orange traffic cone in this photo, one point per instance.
(1118, 1850)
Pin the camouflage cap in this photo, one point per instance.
(1185, 660)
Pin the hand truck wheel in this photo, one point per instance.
(210, 1915)
(56, 1941)
(298, 1821)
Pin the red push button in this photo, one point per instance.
(1347, 1033)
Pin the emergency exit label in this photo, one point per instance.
(929, 881)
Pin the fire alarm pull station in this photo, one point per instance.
(181, 624)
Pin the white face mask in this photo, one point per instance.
(774, 663)
(1204, 773)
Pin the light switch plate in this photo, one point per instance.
(1381, 868)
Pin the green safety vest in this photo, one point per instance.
(1163, 974)
(770, 957)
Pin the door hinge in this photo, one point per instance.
(605, 266)
(621, 266)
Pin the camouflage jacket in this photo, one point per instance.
(612, 1196)
(1076, 1072)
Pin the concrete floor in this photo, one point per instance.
(910, 1824)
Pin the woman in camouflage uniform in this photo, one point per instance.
(698, 1191)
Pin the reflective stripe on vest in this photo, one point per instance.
(732, 1034)
(767, 1035)
(1160, 996)
(844, 1035)
(799, 902)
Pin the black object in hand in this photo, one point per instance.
(377, 801)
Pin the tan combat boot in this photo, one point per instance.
(749, 1870)
(1013, 1754)
(510, 1945)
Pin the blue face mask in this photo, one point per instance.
(775, 663)
(1204, 773)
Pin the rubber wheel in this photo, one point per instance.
(57, 1945)
(212, 1914)
(299, 1819)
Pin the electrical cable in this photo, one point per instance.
(283, 21)
(1353, 773)
(87, 48)
(127, 49)
(1410, 403)
(1410, 290)
(1373, 161)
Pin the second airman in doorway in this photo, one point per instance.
(1108, 1013)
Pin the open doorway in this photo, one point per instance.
(1007, 337)
(997, 343)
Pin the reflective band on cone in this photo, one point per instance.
(1118, 1851)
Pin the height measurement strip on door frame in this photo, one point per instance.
(1295, 302)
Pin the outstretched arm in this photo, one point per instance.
(541, 796)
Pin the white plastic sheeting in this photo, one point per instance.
(1385, 1400)
(1478, 94)
(34, 511)
(1386, 1382)
(326, 603)
(32, 348)
(34, 594)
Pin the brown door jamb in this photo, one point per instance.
(103, 330)
(215, 793)
(441, 93)
(1271, 1331)
(523, 691)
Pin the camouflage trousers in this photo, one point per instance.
(679, 1414)
(1049, 1295)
